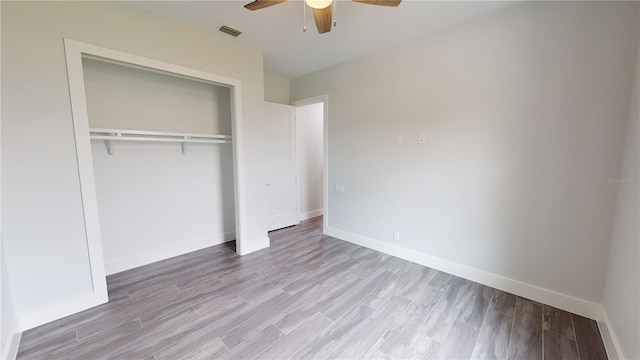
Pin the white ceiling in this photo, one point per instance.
(289, 52)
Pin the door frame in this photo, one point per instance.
(75, 51)
(293, 155)
(324, 99)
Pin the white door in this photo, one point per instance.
(279, 134)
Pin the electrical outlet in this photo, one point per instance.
(398, 139)
(340, 188)
(396, 236)
(422, 138)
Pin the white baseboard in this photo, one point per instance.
(135, 261)
(10, 348)
(546, 296)
(309, 214)
(611, 344)
(88, 300)
(255, 245)
(61, 309)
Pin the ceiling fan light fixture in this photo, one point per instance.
(323, 11)
(318, 4)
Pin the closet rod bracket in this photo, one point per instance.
(110, 143)
(185, 145)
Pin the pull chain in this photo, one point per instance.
(304, 16)
(335, 6)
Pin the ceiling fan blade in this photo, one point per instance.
(393, 3)
(323, 19)
(261, 4)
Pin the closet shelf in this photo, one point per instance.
(111, 135)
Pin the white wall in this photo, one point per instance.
(622, 286)
(524, 112)
(128, 98)
(43, 228)
(309, 134)
(153, 201)
(276, 89)
(8, 319)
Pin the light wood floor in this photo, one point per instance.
(308, 296)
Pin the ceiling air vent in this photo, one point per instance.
(229, 31)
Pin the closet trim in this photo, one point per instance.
(75, 51)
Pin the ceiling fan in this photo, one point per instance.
(321, 9)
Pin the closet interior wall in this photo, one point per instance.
(155, 202)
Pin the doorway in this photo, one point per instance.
(310, 159)
(312, 125)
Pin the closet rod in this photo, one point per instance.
(159, 139)
(111, 135)
(144, 133)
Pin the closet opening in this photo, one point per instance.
(159, 157)
(159, 196)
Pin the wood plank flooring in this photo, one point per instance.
(308, 296)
